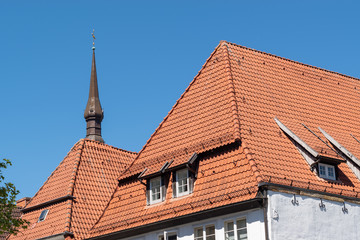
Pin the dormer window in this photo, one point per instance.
(183, 182)
(156, 193)
(327, 171)
(43, 215)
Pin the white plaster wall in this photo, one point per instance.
(306, 220)
(254, 219)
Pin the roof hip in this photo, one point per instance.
(234, 104)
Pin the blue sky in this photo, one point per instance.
(147, 53)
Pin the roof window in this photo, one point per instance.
(327, 171)
(43, 215)
(156, 190)
(183, 182)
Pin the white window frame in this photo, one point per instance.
(203, 228)
(326, 175)
(151, 201)
(166, 234)
(235, 227)
(178, 194)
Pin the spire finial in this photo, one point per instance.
(93, 113)
(93, 36)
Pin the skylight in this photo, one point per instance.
(43, 215)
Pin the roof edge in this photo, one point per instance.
(72, 148)
(197, 216)
(44, 204)
(324, 193)
(287, 59)
(102, 143)
(176, 103)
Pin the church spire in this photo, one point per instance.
(93, 113)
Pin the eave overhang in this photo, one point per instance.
(198, 216)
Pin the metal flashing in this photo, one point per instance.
(142, 173)
(164, 167)
(296, 138)
(193, 158)
(53, 201)
(341, 148)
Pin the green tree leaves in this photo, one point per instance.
(8, 222)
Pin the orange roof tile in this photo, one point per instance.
(128, 209)
(88, 175)
(234, 98)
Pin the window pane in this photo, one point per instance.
(230, 226)
(210, 232)
(229, 231)
(229, 235)
(155, 185)
(241, 223)
(172, 237)
(322, 170)
(242, 234)
(241, 229)
(198, 233)
(331, 172)
(182, 182)
(161, 237)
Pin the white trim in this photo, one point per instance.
(151, 201)
(178, 194)
(296, 138)
(326, 175)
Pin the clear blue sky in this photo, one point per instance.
(147, 53)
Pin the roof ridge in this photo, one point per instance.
(100, 143)
(234, 105)
(176, 103)
(287, 59)
(78, 142)
(71, 186)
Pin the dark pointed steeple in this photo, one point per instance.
(93, 113)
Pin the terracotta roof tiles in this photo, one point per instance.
(128, 209)
(234, 99)
(88, 173)
(226, 115)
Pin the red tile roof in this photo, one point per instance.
(127, 208)
(234, 99)
(88, 173)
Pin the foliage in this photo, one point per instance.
(8, 222)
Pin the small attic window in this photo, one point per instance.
(156, 193)
(327, 171)
(183, 182)
(156, 190)
(43, 215)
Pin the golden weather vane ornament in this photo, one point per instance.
(93, 36)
